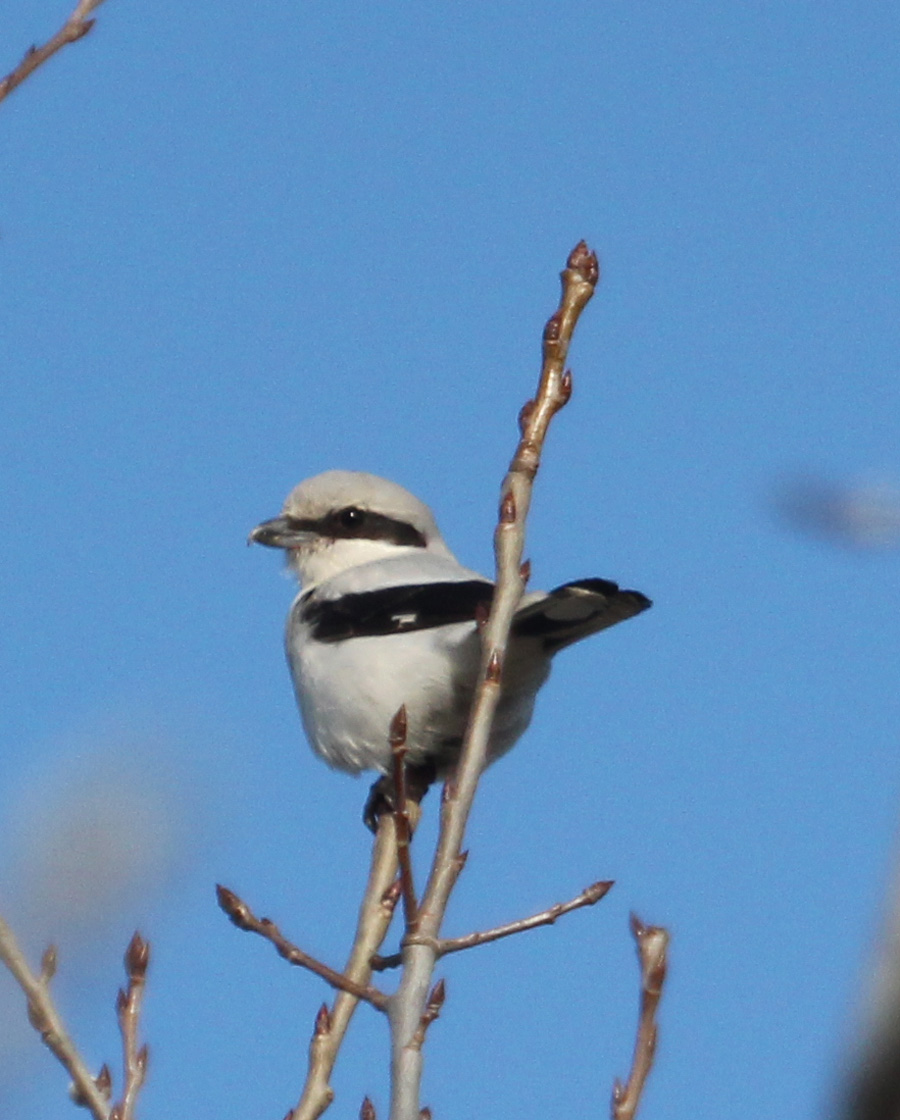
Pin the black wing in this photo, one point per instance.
(394, 610)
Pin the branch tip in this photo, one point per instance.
(584, 261)
(137, 958)
(238, 912)
(367, 1110)
(399, 726)
(103, 1081)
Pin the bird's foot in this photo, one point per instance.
(382, 797)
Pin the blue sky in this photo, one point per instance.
(240, 247)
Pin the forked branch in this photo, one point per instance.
(92, 1093)
(375, 914)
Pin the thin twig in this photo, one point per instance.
(128, 1008)
(401, 817)
(47, 1021)
(445, 945)
(579, 280)
(76, 27)
(652, 947)
(244, 918)
(376, 911)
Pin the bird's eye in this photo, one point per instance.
(351, 518)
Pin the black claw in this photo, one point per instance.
(381, 796)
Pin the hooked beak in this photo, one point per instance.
(280, 532)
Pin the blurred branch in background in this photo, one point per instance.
(76, 27)
(854, 514)
(872, 1090)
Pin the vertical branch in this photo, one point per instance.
(652, 947)
(401, 817)
(128, 1007)
(47, 1021)
(375, 914)
(408, 1006)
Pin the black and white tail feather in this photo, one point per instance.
(387, 616)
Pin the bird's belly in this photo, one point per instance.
(349, 691)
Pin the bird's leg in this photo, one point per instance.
(381, 796)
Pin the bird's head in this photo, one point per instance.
(340, 519)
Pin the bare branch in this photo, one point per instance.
(128, 1007)
(588, 897)
(76, 27)
(579, 280)
(652, 946)
(401, 817)
(243, 917)
(375, 914)
(47, 1021)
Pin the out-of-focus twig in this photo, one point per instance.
(376, 911)
(870, 1088)
(128, 1008)
(244, 918)
(408, 1005)
(47, 1021)
(652, 947)
(547, 917)
(76, 27)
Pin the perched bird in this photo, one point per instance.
(387, 616)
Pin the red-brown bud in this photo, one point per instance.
(367, 1111)
(323, 1021)
(552, 327)
(237, 911)
(525, 571)
(525, 414)
(137, 957)
(398, 728)
(438, 995)
(508, 508)
(494, 668)
(103, 1081)
(584, 261)
(565, 388)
